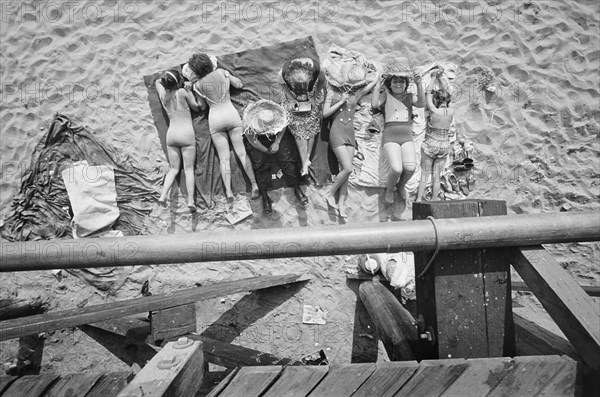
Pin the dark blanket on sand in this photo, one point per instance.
(42, 208)
(258, 69)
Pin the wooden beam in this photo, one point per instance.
(72, 385)
(591, 290)
(343, 380)
(297, 381)
(532, 339)
(173, 322)
(395, 325)
(15, 307)
(109, 385)
(177, 370)
(569, 306)
(211, 246)
(30, 386)
(15, 328)
(251, 381)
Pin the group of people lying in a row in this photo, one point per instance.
(307, 101)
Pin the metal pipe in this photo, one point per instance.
(210, 246)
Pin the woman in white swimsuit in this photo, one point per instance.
(181, 141)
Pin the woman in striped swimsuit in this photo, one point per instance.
(436, 144)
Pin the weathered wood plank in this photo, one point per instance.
(530, 376)
(591, 290)
(30, 386)
(566, 382)
(15, 328)
(394, 324)
(173, 322)
(6, 381)
(109, 385)
(251, 381)
(126, 349)
(176, 370)
(231, 356)
(132, 327)
(297, 381)
(569, 306)
(73, 385)
(433, 377)
(480, 377)
(387, 379)
(14, 307)
(222, 384)
(343, 380)
(29, 356)
(532, 339)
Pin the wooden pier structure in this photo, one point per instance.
(465, 339)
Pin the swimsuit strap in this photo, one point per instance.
(208, 99)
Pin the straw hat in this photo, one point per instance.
(264, 117)
(397, 66)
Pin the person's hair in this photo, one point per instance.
(171, 79)
(440, 98)
(388, 82)
(201, 64)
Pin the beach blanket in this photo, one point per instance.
(42, 209)
(258, 69)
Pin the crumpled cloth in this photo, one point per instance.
(347, 69)
(93, 198)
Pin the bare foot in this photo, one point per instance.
(342, 212)
(389, 195)
(192, 208)
(305, 168)
(162, 202)
(255, 192)
(331, 201)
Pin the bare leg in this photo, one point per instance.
(189, 157)
(303, 146)
(174, 155)
(345, 160)
(222, 145)
(426, 170)
(393, 154)
(438, 166)
(238, 146)
(344, 186)
(409, 166)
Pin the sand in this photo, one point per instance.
(536, 141)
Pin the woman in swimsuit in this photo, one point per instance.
(397, 138)
(181, 141)
(224, 121)
(436, 144)
(341, 138)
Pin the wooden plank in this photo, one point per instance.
(297, 381)
(530, 376)
(15, 328)
(30, 386)
(569, 306)
(591, 290)
(251, 381)
(6, 381)
(72, 385)
(232, 356)
(433, 377)
(126, 349)
(387, 379)
(222, 384)
(173, 322)
(177, 370)
(29, 356)
(132, 327)
(480, 377)
(533, 339)
(343, 380)
(394, 324)
(109, 385)
(566, 383)
(14, 307)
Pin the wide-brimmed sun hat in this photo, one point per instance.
(348, 69)
(264, 117)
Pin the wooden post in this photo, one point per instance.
(173, 322)
(395, 325)
(464, 296)
(177, 370)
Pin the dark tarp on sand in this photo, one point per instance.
(42, 208)
(258, 69)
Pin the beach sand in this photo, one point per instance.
(536, 141)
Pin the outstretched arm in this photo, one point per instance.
(160, 89)
(366, 89)
(420, 102)
(253, 139)
(376, 100)
(191, 100)
(429, 93)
